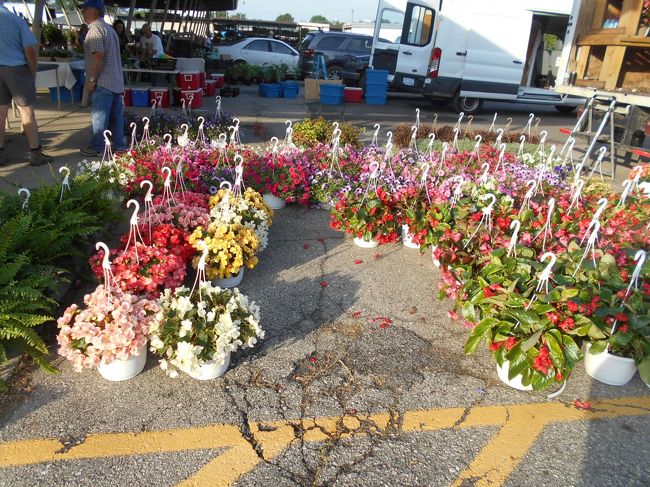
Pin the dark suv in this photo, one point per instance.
(337, 49)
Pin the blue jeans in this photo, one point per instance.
(107, 112)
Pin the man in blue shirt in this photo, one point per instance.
(17, 81)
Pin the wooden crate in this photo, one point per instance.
(312, 87)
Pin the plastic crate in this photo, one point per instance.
(272, 90)
(140, 96)
(376, 76)
(375, 100)
(163, 64)
(290, 89)
(68, 96)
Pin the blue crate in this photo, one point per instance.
(374, 90)
(376, 76)
(375, 100)
(290, 89)
(68, 96)
(331, 99)
(272, 90)
(140, 96)
(261, 89)
(331, 90)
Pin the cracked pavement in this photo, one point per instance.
(331, 397)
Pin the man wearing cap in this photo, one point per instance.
(17, 81)
(104, 79)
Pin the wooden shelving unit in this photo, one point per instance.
(616, 57)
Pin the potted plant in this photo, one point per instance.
(231, 247)
(248, 209)
(199, 330)
(109, 333)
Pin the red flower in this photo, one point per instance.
(510, 343)
(568, 324)
(313, 360)
(494, 346)
(305, 246)
(571, 306)
(621, 317)
(320, 239)
(543, 362)
(358, 261)
(582, 405)
(377, 256)
(553, 317)
(324, 284)
(623, 328)
(356, 314)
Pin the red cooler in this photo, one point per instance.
(220, 79)
(188, 80)
(161, 95)
(210, 87)
(201, 79)
(352, 95)
(193, 98)
(127, 97)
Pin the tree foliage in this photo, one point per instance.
(319, 19)
(288, 18)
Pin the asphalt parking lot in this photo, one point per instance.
(360, 381)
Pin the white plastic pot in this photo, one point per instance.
(609, 369)
(515, 382)
(366, 244)
(229, 282)
(407, 238)
(274, 202)
(211, 369)
(119, 370)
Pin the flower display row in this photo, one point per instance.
(142, 294)
(541, 258)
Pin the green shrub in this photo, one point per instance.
(311, 131)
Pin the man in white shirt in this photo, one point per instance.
(151, 44)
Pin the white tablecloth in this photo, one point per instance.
(47, 79)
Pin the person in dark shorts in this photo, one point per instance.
(17, 81)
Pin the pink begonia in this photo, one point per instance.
(108, 328)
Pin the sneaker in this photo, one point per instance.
(90, 152)
(38, 158)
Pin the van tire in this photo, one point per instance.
(565, 108)
(469, 106)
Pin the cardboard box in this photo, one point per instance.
(312, 87)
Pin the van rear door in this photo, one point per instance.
(496, 51)
(387, 34)
(416, 43)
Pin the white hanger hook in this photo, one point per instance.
(168, 174)
(106, 263)
(149, 184)
(134, 216)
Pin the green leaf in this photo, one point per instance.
(478, 333)
(531, 341)
(644, 370)
(529, 319)
(571, 350)
(555, 351)
(597, 347)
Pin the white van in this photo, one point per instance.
(468, 51)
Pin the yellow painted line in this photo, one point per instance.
(499, 458)
(520, 426)
(28, 452)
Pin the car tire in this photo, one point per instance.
(334, 71)
(467, 105)
(565, 108)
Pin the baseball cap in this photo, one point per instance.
(98, 4)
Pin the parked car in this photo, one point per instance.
(260, 51)
(353, 68)
(337, 48)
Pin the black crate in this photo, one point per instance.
(163, 64)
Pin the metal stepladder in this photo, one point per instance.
(319, 69)
(597, 106)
